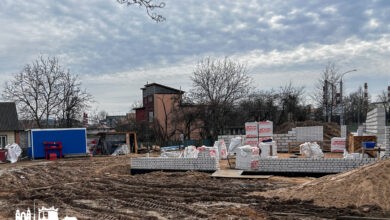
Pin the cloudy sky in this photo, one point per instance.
(117, 49)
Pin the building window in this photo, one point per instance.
(3, 141)
(150, 116)
(150, 99)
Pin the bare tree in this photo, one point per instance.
(44, 91)
(290, 102)
(73, 99)
(326, 89)
(258, 106)
(149, 5)
(356, 106)
(218, 84)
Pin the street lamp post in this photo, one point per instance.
(341, 96)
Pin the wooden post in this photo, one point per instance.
(128, 142)
(135, 143)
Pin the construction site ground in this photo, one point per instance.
(102, 188)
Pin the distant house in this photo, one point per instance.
(114, 120)
(161, 104)
(154, 95)
(9, 124)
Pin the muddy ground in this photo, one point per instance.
(102, 188)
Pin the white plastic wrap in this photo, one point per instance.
(121, 150)
(311, 150)
(191, 152)
(251, 130)
(268, 149)
(265, 128)
(14, 151)
(205, 152)
(247, 158)
(234, 144)
(337, 144)
(171, 154)
(352, 155)
(221, 149)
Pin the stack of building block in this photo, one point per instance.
(376, 125)
(308, 165)
(160, 163)
(298, 134)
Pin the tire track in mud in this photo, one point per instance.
(100, 189)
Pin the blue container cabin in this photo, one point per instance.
(74, 141)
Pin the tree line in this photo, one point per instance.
(222, 96)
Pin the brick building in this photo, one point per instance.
(162, 103)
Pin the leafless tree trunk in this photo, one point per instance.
(218, 84)
(326, 89)
(73, 99)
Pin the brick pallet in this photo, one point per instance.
(308, 165)
(177, 164)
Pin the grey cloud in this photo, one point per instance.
(101, 37)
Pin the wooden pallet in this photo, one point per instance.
(354, 143)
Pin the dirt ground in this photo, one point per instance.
(367, 185)
(102, 188)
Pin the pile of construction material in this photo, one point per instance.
(191, 158)
(256, 132)
(299, 135)
(263, 158)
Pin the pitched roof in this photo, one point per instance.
(8, 117)
(163, 86)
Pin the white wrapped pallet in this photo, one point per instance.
(235, 143)
(247, 158)
(265, 128)
(222, 151)
(337, 145)
(254, 142)
(268, 149)
(191, 152)
(311, 150)
(251, 130)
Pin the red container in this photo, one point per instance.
(2, 154)
(53, 156)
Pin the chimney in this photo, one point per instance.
(365, 90)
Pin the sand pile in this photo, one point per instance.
(368, 185)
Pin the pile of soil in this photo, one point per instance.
(367, 186)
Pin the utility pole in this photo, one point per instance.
(325, 100)
(341, 103)
(341, 97)
(331, 104)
